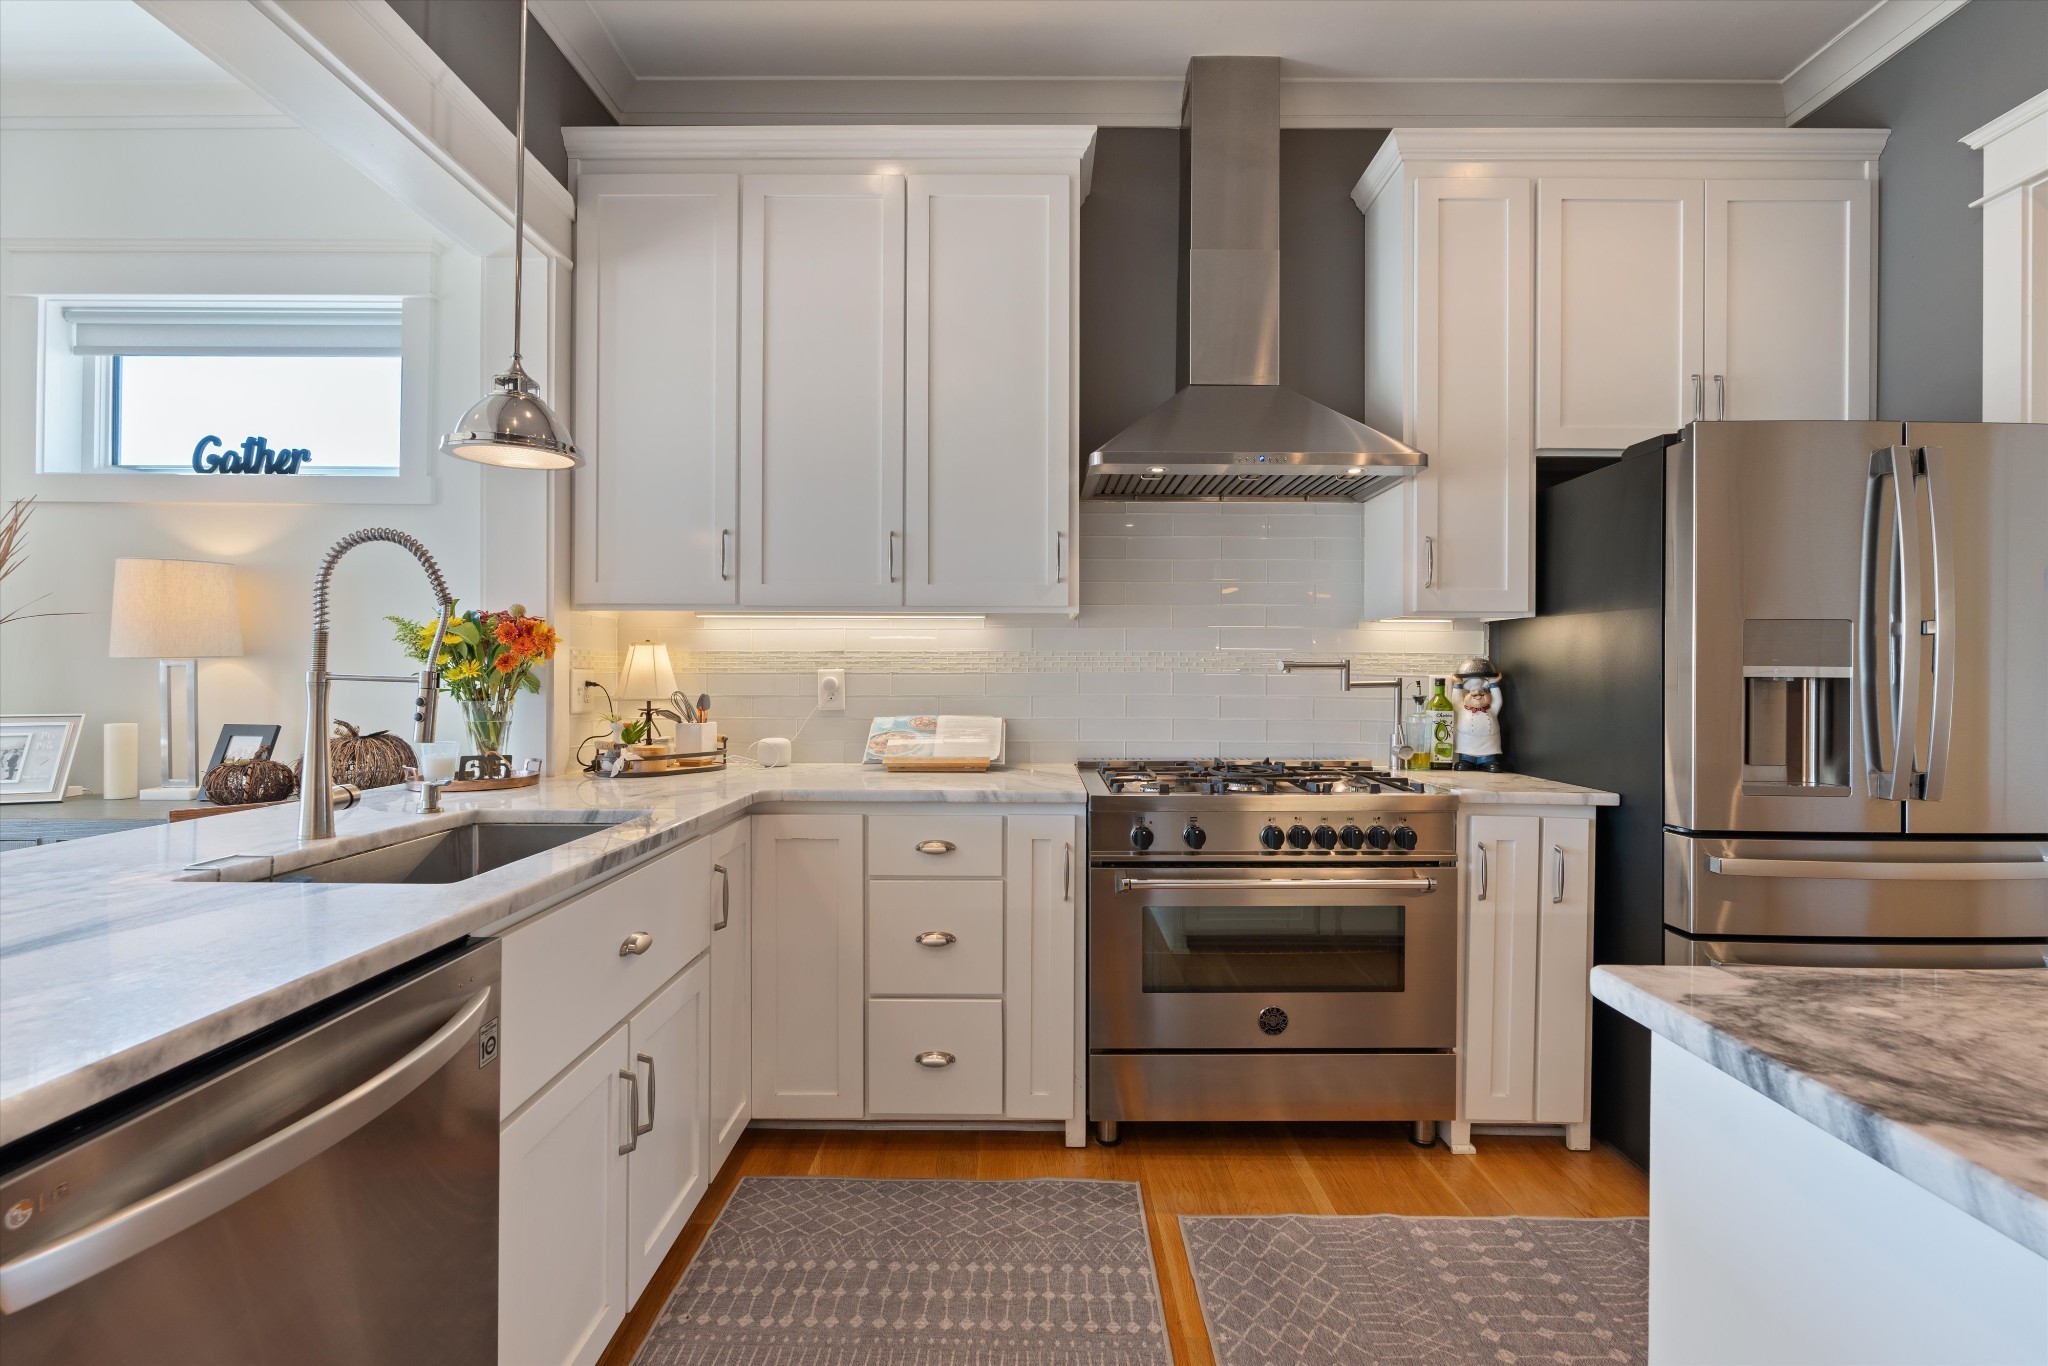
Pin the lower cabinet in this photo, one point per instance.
(732, 1025)
(1528, 953)
(808, 967)
(936, 1057)
(668, 1080)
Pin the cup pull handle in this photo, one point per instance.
(935, 1058)
(936, 846)
(638, 942)
(937, 939)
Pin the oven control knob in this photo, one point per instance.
(1298, 836)
(1195, 836)
(1404, 837)
(1378, 837)
(1272, 837)
(1352, 836)
(1326, 837)
(1141, 837)
(1273, 1020)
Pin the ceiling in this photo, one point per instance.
(1344, 62)
(64, 41)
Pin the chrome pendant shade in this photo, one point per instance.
(510, 426)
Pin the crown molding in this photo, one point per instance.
(134, 104)
(1000, 142)
(1635, 144)
(1881, 33)
(582, 38)
(2006, 123)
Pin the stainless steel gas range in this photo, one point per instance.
(1269, 941)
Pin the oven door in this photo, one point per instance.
(1266, 958)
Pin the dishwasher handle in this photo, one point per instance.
(36, 1276)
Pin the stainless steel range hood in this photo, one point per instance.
(1234, 432)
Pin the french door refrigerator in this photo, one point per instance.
(1813, 659)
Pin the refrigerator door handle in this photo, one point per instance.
(1934, 462)
(1902, 568)
(2032, 870)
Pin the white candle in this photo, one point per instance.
(119, 777)
(438, 758)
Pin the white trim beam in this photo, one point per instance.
(1884, 30)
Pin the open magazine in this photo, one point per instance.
(940, 737)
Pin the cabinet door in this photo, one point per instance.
(732, 1024)
(1473, 509)
(1041, 922)
(562, 1216)
(989, 421)
(821, 391)
(808, 954)
(1564, 955)
(657, 390)
(668, 1041)
(1618, 283)
(1500, 870)
(1788, 299)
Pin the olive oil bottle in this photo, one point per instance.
(1443, 716)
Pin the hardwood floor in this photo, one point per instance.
(1190, 1169)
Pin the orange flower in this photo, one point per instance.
(506, 663)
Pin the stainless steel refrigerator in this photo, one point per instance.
(1813, 659)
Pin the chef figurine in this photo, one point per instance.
(1478, 699)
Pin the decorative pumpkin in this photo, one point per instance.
(378, 759)
(240, 781)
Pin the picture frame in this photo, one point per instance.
(35, 755)
(240, 743)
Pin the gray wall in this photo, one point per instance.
(1986, 58)
(479, 39)
(1133, 335)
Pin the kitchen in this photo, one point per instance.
(1192, 425)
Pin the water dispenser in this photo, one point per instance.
(1795, 677)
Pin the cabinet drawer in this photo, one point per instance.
(970, 964)
(969, 1033)
(566, 980)
(916, 846)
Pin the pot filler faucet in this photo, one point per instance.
(316, 792)
(1345, 682)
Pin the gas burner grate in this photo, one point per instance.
(1259, 777)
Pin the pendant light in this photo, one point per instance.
(510, 426)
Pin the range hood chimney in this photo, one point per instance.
(1234, 432)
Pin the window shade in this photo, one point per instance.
(369, 329)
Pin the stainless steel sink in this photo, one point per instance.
(447, 855)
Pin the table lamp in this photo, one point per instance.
(176, 612)
(647, 675)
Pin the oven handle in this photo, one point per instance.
(1267, 884)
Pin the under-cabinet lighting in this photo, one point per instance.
(756, 618)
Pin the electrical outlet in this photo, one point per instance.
(831, 690)
(585, 698)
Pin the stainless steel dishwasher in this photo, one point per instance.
(327, 1194)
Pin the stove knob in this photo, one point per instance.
(1195, 836)
(1378, 837)
(1272, 837)
(1326, 837)
(1352, 836)
(1298, 836)
(1404, 837)
(1141, 837)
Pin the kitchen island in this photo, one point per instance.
(1847, 1164)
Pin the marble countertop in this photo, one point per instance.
(1515, 789)
(125, 955)
(1939, 1074)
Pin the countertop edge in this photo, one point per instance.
(1950, 1176)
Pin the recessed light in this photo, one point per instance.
(1354, 472)
(1159, 469)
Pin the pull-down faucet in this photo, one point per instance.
(316, 791)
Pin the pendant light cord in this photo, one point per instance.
(519, 196)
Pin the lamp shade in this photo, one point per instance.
(511, 427)
(647, 672)
(174, 609)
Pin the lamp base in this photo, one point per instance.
(168, 794)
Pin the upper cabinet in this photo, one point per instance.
(1578, 290)
(827, 368)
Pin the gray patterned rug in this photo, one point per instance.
(810, 1270)
(1383, 1288)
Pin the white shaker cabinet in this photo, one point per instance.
(1042, 886)
(667, 1080)
(657, 356)
(732, 1024)
(809, 988)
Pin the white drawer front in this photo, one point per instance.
(967, 1033)
(935, 938)
(935, 846)
(566, 981)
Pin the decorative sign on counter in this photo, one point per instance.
(254, 456)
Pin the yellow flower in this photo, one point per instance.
(467, 669)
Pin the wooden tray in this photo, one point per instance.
(932, 763)
(200, 812)
(661, 765)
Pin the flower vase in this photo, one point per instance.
(489, 720)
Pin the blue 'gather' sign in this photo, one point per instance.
(212, 456)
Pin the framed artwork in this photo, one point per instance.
(239, 744)
(35, 756)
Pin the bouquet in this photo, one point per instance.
(487, 660)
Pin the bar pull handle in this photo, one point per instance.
(1720, 398)
(936, 846)
(1902, 624)
(633, 1129)
(892, 555)
(935, 1058)
(1556, 874)
(639, 1128)
(2030, 870)
(724, 897)
(1699, 401)
(637, 943)
(1059, 556)
(1291, 884)
(106, 1243)
(1934, 461)
(1067, 878)
(725, 554)
(936, 939)
(1480, 895)
(1429, 561)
